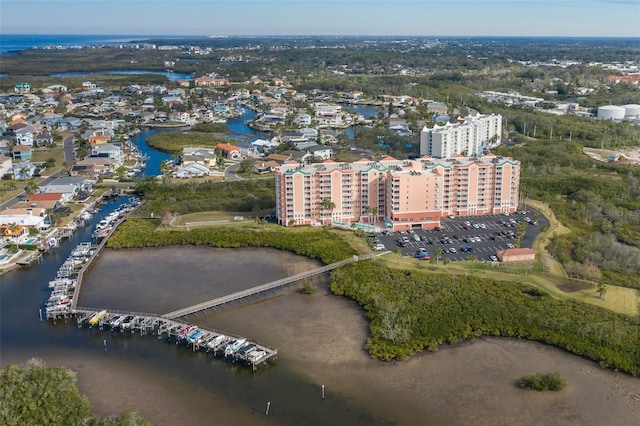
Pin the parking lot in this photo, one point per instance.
(461, 237)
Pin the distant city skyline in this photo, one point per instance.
(543, 18)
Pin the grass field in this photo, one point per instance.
(552, 279)
(42, 156)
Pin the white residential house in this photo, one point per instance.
(24, 136)
(29, 217)
(107, 150)
(191, 170)
(303, 120)
(23, 170)
(319, 152)
(69, 186)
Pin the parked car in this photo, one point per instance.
(453, 250)
(493, 258)
(509, 245)
(380, 247)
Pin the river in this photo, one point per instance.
(238, 129)
(320, 339)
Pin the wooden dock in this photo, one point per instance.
(168, 326)
(182, 333)
(261, 288)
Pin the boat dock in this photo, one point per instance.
(66, 287)
(231, 347)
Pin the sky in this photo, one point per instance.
(546, 18)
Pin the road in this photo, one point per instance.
(69, 158)
(69, 152)
(231, 172)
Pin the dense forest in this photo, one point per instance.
(34, 394)
(412, 310)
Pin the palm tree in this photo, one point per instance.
(327, 204)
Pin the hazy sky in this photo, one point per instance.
(323, 17)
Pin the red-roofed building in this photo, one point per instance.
(516, 255)
(229, 151)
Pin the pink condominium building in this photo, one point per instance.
(402, 193)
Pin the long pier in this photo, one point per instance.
(167, 326)
(261, 288)
(199, 339)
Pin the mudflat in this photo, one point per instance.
(321, 341)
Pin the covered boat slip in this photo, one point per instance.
(234, 348)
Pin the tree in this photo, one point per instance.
(327, 204)
(602, 289)
(438, 253)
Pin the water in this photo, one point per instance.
(215, 389)
(238, 129)
(17, 42)
(154, 157)
(171, 76)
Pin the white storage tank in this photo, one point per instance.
(631, 111)
(611, 112)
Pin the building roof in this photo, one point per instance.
(227, 147)
(21, 148)
(51, 196)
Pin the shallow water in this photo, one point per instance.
(320, 339)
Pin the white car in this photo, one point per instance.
(509, 245)
(482, 225)
(451, 216)
(380, 247)
(493, 258)
(452, 250)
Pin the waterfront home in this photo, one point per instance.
(93, 167)
(28, 217)
(13, 233)
(279, 158)
(69, 186)
(191, 170)
(107, 150)
(23, 170)
(203, 156)
(21, 152)
(51, 201)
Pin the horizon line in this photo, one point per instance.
(213, 36)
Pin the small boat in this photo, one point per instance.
(216, 341)
(95, 318)
(195, 336)
(233, 346)
(255, 356)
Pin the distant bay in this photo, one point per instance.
(171, 76)
(18, 42)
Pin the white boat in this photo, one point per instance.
(233, 346)
(255, 356)
(216, 341)
(52, 242)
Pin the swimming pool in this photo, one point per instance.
(3, 257)
(30, 240)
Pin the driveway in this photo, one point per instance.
(231, 172)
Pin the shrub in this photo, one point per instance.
(542, 382)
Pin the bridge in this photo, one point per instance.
(261, 288)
